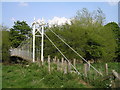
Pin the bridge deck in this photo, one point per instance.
(21, 53)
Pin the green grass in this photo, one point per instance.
(21, 76)
(33, 76)
(94, 78)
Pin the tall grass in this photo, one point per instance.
(95, 79)
(33, 76)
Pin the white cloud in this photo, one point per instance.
(59, 21)
(23, 4)
(112, 2)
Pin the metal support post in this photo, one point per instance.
(34, 43)
(42, 34)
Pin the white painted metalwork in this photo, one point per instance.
(39, 29)
(42, 34)
(34, 26)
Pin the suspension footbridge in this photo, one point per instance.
(27, 49)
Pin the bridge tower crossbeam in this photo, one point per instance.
(38, 26)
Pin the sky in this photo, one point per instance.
(12, 11)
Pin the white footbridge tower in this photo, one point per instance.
(38, 26)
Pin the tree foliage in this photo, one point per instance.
(116, 30)
(87, 35)
(5, 44)
(19, 32)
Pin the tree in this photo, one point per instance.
(87, 35)
(85, 18)
(5, 44)
(98, 38)
(116, 30)
(19, 32)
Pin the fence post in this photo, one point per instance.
(88, 67)
(116, 81)
(74, 62)
(55, 59)
(49, 63)
(58, 64)
(65, 67)
(69, 66)
(85, 70)
(62, 66)
(117, 75)
(106, 69)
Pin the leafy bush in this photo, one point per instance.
(5, 45)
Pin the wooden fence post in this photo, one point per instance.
(62, 66)
(116, 81)
(74, 62)
(55, 59)
(65, 67)
(88, 67)
(106, 69)
(38, 61)
(117, 75)
(49, 63)
(58, 66)
(69, 66)
(85, 69)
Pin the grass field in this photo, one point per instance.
(95, 79)
(33, 76)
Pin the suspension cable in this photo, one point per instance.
(62, 54)
(24, 41)
(75, 52)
